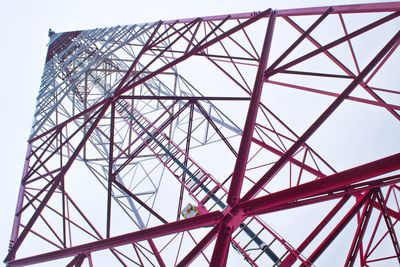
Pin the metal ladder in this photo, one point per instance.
(171, 155)
(197, 182)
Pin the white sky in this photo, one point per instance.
(24, 26)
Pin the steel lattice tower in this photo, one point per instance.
(263, 138)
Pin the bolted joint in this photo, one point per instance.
(227, 229)
(232, 201)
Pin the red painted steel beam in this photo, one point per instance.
(215, 127)
(208, 219)
(189, 98)
(176, 31)
(111, 177)
(323, 49)
(389, 224)
(346, 70)
(343, 9)
(354, 8)
(245, 143)
(292, 160)
(301, 38)
(291, 258)
(381, 7)
(199, 248)
(131, 143)
(143, 145)
(156, 253)
(328, 184)
(196, 50)
(322, 92)
(137, 58)
(20, 199)
(221, 248)
(60, 43)
(69, 120)
(185, 161)
(33, 169)
(77, 261)
(358, 8)
(349, 190)
(317, 74)
(390, 212)
(99, 236)
(170, 27)
(46, 140)
(381, 64)
(382, 166)
(325, 115)
(57, 180)
(138, 200)
(184, 29)
(339, 227)
(362, 225)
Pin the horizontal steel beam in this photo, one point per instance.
(189, 98)
(330, 183)
(179, 226)
(357, 8)
(344, 9)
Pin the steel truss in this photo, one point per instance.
(246, 132)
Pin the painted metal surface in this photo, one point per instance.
(227, 115)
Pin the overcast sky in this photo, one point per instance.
(24, 26)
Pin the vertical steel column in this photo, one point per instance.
(134, 61)
(245, 143)
(55, 184)
(324, 116)
(20, 200)
(111, 176)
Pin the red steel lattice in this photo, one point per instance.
(276, 143)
